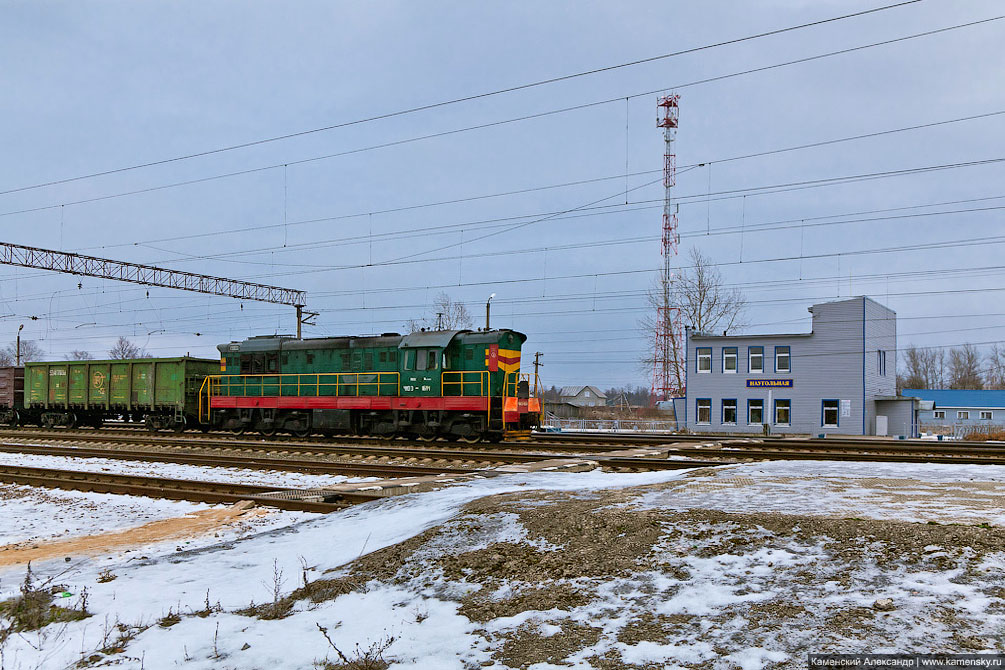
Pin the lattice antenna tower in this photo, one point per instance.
(668, 370)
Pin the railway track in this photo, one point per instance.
(182, 489)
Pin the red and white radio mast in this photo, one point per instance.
(668, 368)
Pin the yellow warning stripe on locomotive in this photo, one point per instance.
(508, 360)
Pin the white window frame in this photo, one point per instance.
(788, 358)
(986, 415)
(700, 405)
(750, 402)
(734, 353)
(703, 353)
(939, 414)
(823, 413)
(750, 360)
(788, 407)
(734, 402)
(963, 415)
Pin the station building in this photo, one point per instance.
(839, 378)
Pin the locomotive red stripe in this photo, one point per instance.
(476, 404)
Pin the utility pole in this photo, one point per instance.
(17, 348)
(439, 321)
(537, 361)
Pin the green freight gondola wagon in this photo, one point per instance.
(161, 392)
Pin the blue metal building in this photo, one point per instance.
(959, 408)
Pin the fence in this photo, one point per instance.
(609, 425)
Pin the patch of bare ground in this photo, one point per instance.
(528, 644)
(478, 607)
(596, 558)
(661, 628)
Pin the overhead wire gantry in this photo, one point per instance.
(149, 275)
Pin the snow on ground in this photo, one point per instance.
(31, 514)
(568, 570)
(36, 514)
(943, 493)
(277, 478)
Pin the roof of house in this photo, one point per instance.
(959, 397)
(572, 391)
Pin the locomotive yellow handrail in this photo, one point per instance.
(462, 378)
(343, 384)
(513, 380)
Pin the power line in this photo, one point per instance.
(444, 103)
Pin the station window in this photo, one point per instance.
(705, 359)
(881, 362)
(939, 414)
(703, 411)
(963, 415)
(729, 360)
(782, 363)
(829, 414)
(783, 411)
(755, 359)
(985, 416)
(729, 411)
(755, 412)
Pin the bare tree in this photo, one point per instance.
(995, 374)
(125, 349)
(448, 314)
(702, 302)
(924, 368)
(79, 355)
(30, 351)
(965, 368)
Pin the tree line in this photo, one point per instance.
(634, 396)
(963, 367)
(32, 351)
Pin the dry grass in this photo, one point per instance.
(33, 608)
(997, 434)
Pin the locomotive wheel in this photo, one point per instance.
(268, 431)
(303, 432)
(470, 439)
(237, 431)
(425, 437)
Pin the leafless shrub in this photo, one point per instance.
(369, 658)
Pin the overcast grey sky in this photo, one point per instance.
(101, 85)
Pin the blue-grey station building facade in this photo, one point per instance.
(839, 378)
